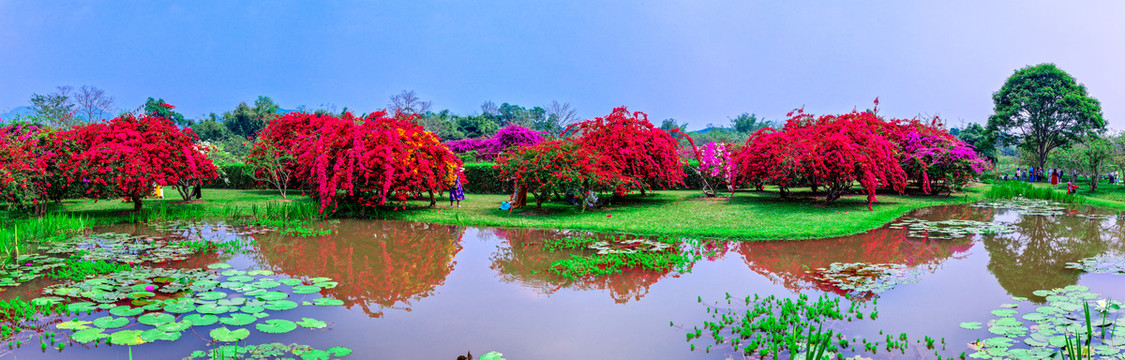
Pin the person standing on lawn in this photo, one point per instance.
(457, 193)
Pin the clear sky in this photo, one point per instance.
(696, 61)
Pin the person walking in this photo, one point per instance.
(1054, 176)
(457, 193)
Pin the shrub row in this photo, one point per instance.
(480, 178)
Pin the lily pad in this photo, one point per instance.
(227, 335)
(155, 319)
(201, 320)
(238, 319)
(126, 337)
(327, 302)
(276, 326)
(312, 323)
(109, 322)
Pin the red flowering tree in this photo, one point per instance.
(558, 167)
(642, 152)
(30, 160)
(272, 156)
(129, 155)
(830, 151)
(371, 160)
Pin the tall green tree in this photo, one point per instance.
(160, 108)
(977, 136)
(1044, 108)
(246, 121)
(54, 109)
(748, 123)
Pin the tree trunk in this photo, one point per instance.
(433, 200)
(136, 203)
(1094, 182)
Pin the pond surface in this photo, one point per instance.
(422, 291)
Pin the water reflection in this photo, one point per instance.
(788, 262)
(378, 264)
(526, 261)
(1034, 257)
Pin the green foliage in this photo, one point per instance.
(977, 136)
(162, 109)
(481, 178)
(245, 121)
(747, 123)
(77, 270)
(1014, 189)
(1091, 155)
(236, 176)
(55, 109)
(615, 255)
(1044, 108)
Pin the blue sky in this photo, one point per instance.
(696, 61)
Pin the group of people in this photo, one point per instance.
(1034, 174)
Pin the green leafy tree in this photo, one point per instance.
(748, 123)
(55, 109)
(1044, 108)
(246, 121)
(977, 136)
(211, 129)
(158, 107)
(670, 123)
(1092, 155)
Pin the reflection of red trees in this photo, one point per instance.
(526, 260)
(383, 263)
(789, 262)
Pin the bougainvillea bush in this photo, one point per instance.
(561, 167)
(932, 155)
(367, 161)
(129, 155)
(30, 156)
(830, 151)
(507, 137)
(716, 166)
(644, 153)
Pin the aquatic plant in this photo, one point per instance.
(74, 269)
(1019, 189)
(173, 300)
(1063, 326)
(866, 278)
(950, 229)
(27, 268)
(616, 254)
(269, 351)
(1100, 264)
(1025, 206)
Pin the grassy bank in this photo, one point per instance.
(1108, 196)
(747, 216)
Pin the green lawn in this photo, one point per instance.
(747, 215)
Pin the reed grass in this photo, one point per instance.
(1012, 188)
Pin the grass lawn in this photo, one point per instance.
(747, 215)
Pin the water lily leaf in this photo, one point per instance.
(81, 307)
(227, 335)
(233, 273)
(276, 326)
(970, 325)
(259, 272)
(152, 335)
(343, 351)
(212, 309)
(126, 337)
(327, 284)
(46, 300)
(272, 295)
(305, 289)
(249, 309)
(1004, 312)
(74, 325)
(175, 326)
(109, 322)
(218, 266)
(492, 355)
(211, 295)
(238, 301)
(179, 307)
(201, 320)
(88, 335)
(290, 281)
(1035, 316)
(240, 278)
(280, 305)
(266, 284)
(238, 319)
(155, 319)
(327, 302)
(312, 323)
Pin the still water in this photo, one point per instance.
(423, 291)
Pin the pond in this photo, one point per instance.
(400, 290)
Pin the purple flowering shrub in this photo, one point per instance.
(715, 164)
(507, 137)
(934, 157)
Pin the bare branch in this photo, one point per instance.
(92, 102)
(408, 102)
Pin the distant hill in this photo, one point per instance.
(19, 111)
